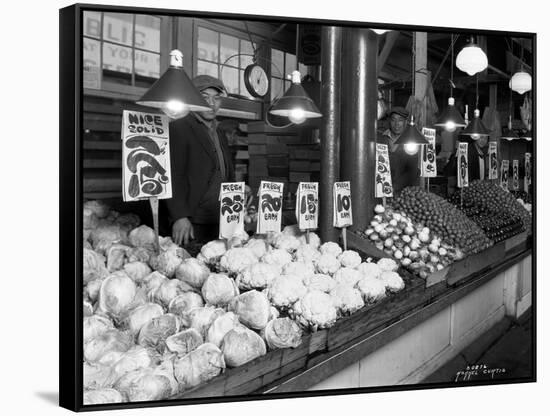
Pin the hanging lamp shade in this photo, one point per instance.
(520, 82)
(527, 136)
(174, 93)
(509, 134)
(471, 59)
(476, 128)
(411, 135)
(450, 119)
(380, 31)
(295, 103)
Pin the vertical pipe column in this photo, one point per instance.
(331, 47)
(359, 114)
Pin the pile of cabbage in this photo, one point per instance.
(159, 323)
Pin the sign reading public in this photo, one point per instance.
(307, 205)
(231, 209)
(145, 156)
(342, 205)
(271, 207)
(383, 183)
(428, 167)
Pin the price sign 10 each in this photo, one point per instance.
(343, 216)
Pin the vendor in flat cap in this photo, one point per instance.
(200, 161)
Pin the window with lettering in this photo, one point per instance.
(121, 48)
(225, 57)
(283, 64)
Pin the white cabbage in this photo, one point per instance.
(154, 333)
(213, 250)
(153, 281)
(145, 384)
(89, 219)
(202, 318)
(137, 271)
(99, 208)
(314, 240)
(252, 308)
(286, 242)
(95, 325)
(116, 294)
(235, 260)
(219, 289)
(298, 268)
(142, 315)
(135, 358)
(102, 396)
(241, 345)
(199, 366)
(168, 290)
(91, 290)
(97, 376)
(128, 221)
(184, 342)
(116, 257)
(193, 272)
(282, 333)
(143, 236)
(258, 246)
(277, 257)
(94, 266)
(140, 254)
(107, 341)
(307, 254)
(221, 326)
(183, 303)
(105, 235)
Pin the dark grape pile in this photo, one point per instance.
(443, 219)
(489, 198)
(495, 227)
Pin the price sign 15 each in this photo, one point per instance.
(428, 166)
(307, 201)
(343, 216)
(270, 207)
(231, 209)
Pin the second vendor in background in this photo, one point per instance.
(403, 162)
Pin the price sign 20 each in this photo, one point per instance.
(271, 204)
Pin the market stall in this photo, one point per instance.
(326, 274)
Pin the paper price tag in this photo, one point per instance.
(343, 216)
(504, 172)
(527, 177)
(270, 207)
(383, 182)
(307, 201)
(515, 175)
(231, 209)
(145, 156)
(493, 161)
(462, 165)
(428, 167)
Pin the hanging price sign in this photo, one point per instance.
(383, 183)
(428, 167)
(145, 156)
(504, 171)
(493, 162)
(231, 209)
(270, 207)
(307, 201)
(515, 175)
(462, 165)
(342, 205)
(527, 177)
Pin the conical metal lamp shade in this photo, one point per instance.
(450, 115)
(476, 127)
(509, 134)
(295, 97)
(411, 135)
(174, 85)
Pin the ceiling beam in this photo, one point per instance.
(391, 37)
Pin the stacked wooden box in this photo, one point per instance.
(282, 155)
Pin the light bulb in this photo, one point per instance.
(450, 126)
(297, 115)
(411, 148)
(175, 109)
(475, 136)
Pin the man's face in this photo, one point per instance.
(397, 124)
(213, 97)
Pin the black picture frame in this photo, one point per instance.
(71, 201)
